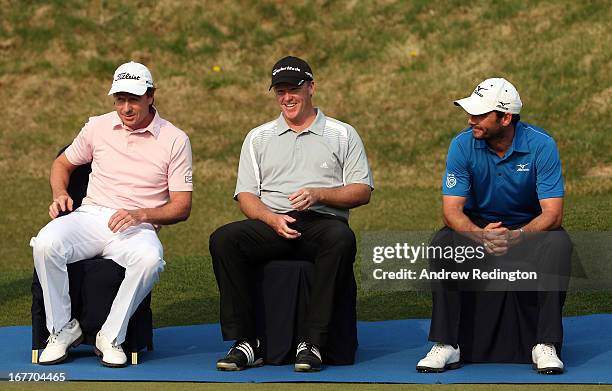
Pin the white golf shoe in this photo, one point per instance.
(58, 343)
(545, 360)
(110, 354)
(440, 358)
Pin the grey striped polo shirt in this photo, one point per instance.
(276, 161)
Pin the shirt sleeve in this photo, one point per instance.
(248, 169)
(356, 168)
(180, 167)
(81, 150)
(457, 177)
(549, 179)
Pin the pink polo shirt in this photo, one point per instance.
(132, 169)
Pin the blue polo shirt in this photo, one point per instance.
(508, 188)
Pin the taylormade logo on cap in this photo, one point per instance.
(131, 77)
(496, 94)
(274, 72)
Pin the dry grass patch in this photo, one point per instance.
(600, 172)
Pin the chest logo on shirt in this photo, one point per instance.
(522, 167)
(451, 181)
(324, 165)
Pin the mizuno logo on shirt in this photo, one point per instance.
(522, 167)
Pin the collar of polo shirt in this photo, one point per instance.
(519, 141)
(153, 128)
(317, 126)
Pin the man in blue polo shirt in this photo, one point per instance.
(502, 182)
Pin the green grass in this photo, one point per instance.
(390, 68)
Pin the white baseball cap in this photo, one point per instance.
(492, 94)
(131, 77)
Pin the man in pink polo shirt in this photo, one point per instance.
(140, 179)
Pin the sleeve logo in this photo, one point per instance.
(451, 181)
(188, 179)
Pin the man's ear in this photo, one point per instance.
(506, 119)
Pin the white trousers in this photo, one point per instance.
(84, 234)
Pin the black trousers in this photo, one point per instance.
(237, 247)
(448, 304)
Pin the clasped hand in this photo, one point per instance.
(497, 239)
(300, 201)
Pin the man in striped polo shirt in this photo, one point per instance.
(298, 177)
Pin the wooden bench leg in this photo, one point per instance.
(34, 356)
(134, 358)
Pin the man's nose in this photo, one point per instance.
(126, 107)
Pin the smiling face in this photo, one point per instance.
(134, 110)
(296, 103)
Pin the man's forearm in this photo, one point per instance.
(546, 221)
(459, 222)
(345, 197)
(59, 178)
(171, 213)
(252, 207)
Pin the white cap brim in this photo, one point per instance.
(128, 86)
(474, 106)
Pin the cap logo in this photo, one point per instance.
(503, 105)
(478, 89)
(288, 68)
(126, 75)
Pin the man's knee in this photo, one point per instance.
(554, 247)
(48, 245)
(443, 238)
(341, 238)
(148, 261)
(560, 240)
(227, 236)
(220, 238)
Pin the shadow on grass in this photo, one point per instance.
(373, 307)
(15, 289)
(186, 312)
(393, 305)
